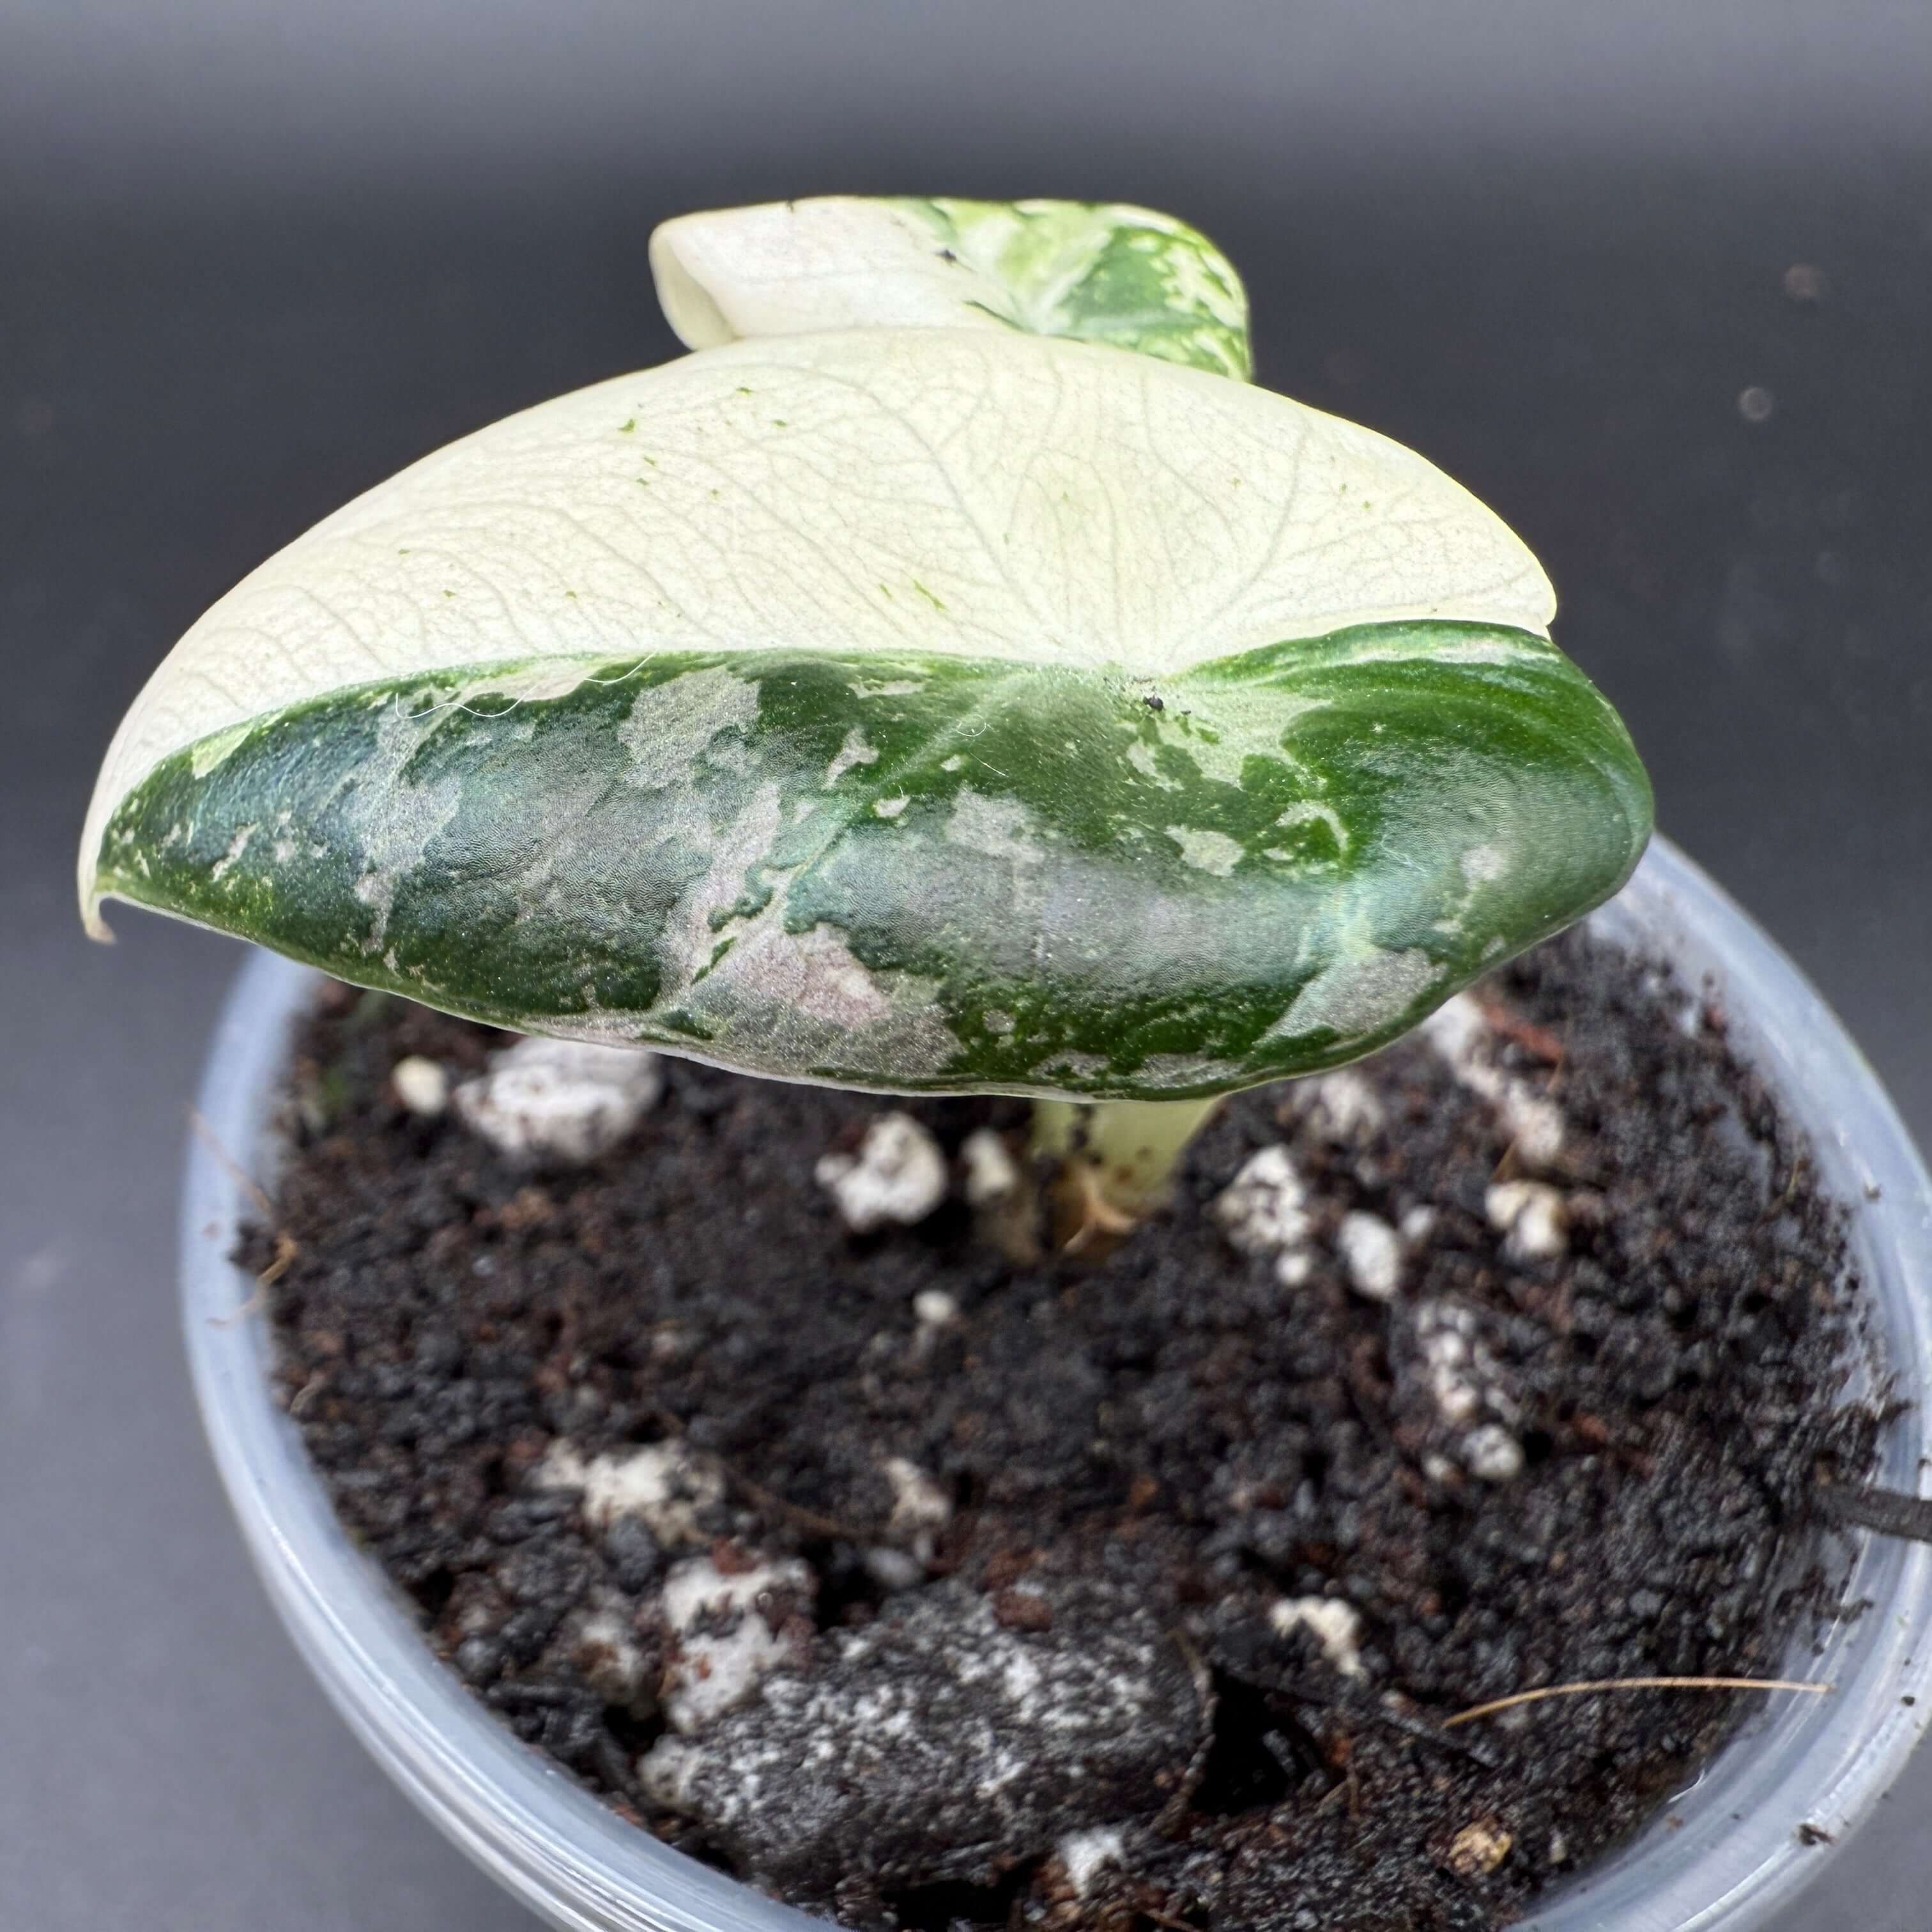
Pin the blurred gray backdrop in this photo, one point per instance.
(1654, 279)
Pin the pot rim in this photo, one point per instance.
(1721, 1856)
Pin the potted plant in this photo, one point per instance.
(952, 678)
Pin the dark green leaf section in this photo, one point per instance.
(924, 874)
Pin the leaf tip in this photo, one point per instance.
(96, 928)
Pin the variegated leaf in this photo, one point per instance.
(935, 706)
(1093, 271)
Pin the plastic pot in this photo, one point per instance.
(1731, 1854)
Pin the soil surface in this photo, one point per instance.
(931, 1587)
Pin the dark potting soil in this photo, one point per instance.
(1079, 1593)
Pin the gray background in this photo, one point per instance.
(253, 258)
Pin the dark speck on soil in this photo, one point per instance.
(1109, 1489)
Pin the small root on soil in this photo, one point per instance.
(1607, 1684)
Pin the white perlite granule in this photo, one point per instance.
(564, 1101)
(934, 1308)
(992, 1175)
(421, 1085)
(1343, 1106)
(920, 1506)
(898, 1175)
(602, 1642)
(723, 1646)
(663, 1484)
(1264, 1209)
(1463, 1376)
(1335, 1625)
(892, 1569)
(1471, 1391)
(1372, 1252)
(1530, 1217)
(1492, 1454)
(1085, 1855)
(1458, 1031)
(1418, 1223)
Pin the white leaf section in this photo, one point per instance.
(925, 490)
(796, 269)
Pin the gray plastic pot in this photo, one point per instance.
(1731, 1853)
